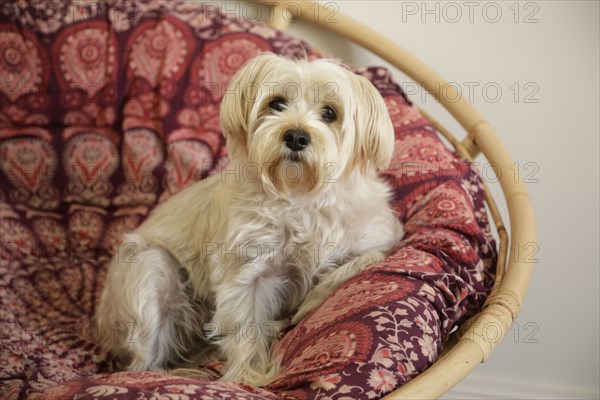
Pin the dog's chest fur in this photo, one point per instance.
(285, 247)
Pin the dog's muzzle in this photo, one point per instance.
(296, 139)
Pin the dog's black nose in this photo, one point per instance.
(296, 139)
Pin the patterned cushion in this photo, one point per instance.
(108, 108)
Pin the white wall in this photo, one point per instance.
(551, 128)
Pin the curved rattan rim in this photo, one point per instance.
(479, 336)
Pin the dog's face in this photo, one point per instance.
(304, 125)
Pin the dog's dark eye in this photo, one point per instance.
(277, 104)
(329, 114)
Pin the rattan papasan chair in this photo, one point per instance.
(109, 108)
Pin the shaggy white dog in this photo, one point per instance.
(297, 211)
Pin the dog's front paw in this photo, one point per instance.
(312, 301)
(333, 280)
(248, 355)
(244, 373)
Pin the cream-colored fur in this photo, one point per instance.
(214, 268)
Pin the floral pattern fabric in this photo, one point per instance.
(108, 108)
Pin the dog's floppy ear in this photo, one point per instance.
(374, 141)
(236, 107)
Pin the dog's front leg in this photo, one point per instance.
(245, 310)
(333, 280)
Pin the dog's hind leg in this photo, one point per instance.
(145, 313)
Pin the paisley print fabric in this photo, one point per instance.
(108, 108)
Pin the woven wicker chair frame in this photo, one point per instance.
(473, 343)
